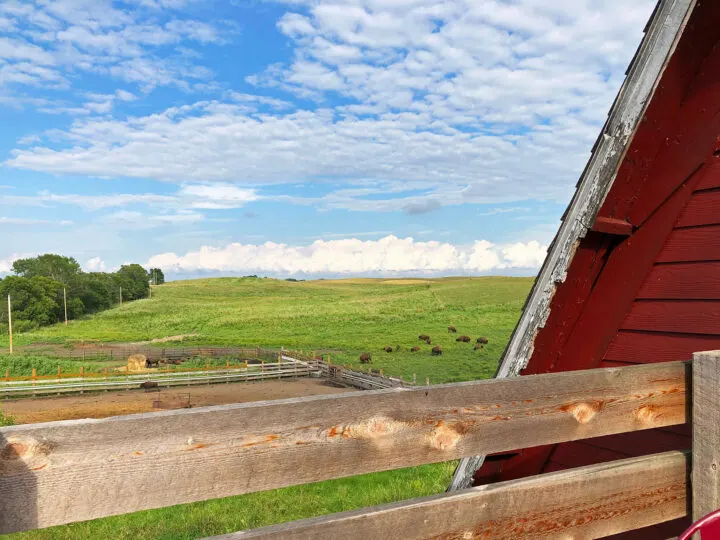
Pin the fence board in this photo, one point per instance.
(77, 470)
(706, 434)
(590, 502)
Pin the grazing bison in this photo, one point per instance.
(388, 349)
(436, 350)
(423, 337)
(152, 362)
(149, 385)
(478, 346)
(464, 339)
(452, 329)
(365, 358)
(415, 349)
(482, 340)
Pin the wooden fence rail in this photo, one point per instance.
(76, 470)
(589, 502)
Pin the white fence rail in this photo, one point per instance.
(287, 369)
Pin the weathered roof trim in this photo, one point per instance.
(663, 32)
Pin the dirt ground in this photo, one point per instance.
(101, 405)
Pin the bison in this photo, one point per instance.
(423, 337)
(415, 349)
(436, 350)
(152, 362)
(452, 329)
(464, 339)
(149, 385)
(388, 349)
(365, 358)
(482, 340)
(478, 346)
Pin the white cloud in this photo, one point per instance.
(388, 256)
(50, 42)
(442, 103)
(6, 263)
(96, 264)
(28, 222)
(217, 196)
(522, 255)
(189, 196)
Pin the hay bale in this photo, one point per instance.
(137, 362)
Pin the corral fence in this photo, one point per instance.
(89, 382)
(68, 471)
(267, 364)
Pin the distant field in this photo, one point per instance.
(347, 317)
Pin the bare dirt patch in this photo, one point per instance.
(102, 405)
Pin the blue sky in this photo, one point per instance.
(301, 137)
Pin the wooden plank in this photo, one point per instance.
(646, 347)
(85, 469)
(703, 209)
(614, 226)
(701, 244)
(686, 281)
(706, 433)
(691, 316)
(589, 502)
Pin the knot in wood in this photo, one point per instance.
(583, 412)
(647, 414)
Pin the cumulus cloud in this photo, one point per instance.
(388, 256)
(7, 262)
(96, 264)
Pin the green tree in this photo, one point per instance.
(55, 267)
(156, 276)
(36, 301)
(134, 281)
(96, 290)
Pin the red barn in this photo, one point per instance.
(633, 275)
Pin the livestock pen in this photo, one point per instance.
(62, 472)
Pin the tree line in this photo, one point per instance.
(39, 285)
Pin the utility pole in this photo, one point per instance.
(65, 303)
(10, 322)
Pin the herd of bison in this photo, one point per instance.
(480, 342)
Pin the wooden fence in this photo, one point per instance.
(285, 364)
(93, 382)
(69, 471)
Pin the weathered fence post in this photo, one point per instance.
(706, 433)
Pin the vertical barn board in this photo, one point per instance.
(706, 433)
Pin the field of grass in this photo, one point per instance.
(344, 317)
(347, 316)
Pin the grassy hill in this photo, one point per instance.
(347, 317)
